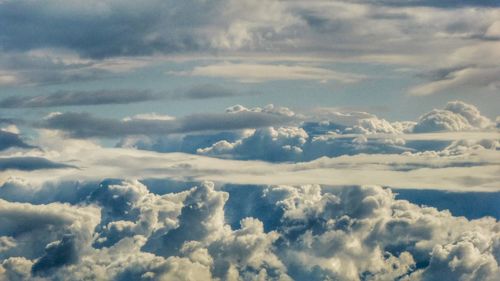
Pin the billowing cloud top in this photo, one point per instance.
(124, 232)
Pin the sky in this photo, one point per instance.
(249, 140)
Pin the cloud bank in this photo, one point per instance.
(331, 133)
(122, 231)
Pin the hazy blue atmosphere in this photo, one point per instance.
(249, 140)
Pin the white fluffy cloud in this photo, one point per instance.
(364, 231)
(349, 233)
(348, 134)
(456, 116)
(50, 235)
(280, 144)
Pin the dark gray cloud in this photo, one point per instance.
(442, 73)
(8, 140)
(29, 164)
(65, 98)
(111, 28)
(124, 28)
(84, 125)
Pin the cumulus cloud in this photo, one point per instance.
(68, 98)
(284, 143)
(336, 134)
(345, 244)
(340, 154)
(214, 250)
(456, 116)
(328, 133)
(47, 231)
(278, 144)
(295, 144)
(125, 232)
(146, 222)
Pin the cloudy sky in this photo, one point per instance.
(249, 140)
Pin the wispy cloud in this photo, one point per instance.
(470, 78)
(257, 73)
(79, 98)
(119, 96)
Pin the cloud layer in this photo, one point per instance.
(122, 231)
(288, 196)
(255, 73)
(84, 125)
(65, 98)
(331, 133)
(50, 43)
(249, 146)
